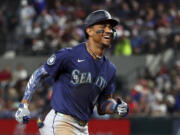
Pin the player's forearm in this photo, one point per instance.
(108, 107)
(34, 81)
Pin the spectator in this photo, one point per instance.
(20, 73)
(45, 19)
(177, 19)
(39, 5)
(132, 105)
(143, 108)
(158, 107)
(26, 15)
(170, 102)
(137, 42)
(38, 46)
(123, 45)
(5, 74)
(177, 105)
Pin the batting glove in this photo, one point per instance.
(22, 115)
(122, 108)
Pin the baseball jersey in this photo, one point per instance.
(80, 81)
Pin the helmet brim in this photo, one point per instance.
(113, 22)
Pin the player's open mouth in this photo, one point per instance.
(107, 37)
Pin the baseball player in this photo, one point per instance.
(83, 77)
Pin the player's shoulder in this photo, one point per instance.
(78, 47)
(68, 51)
(111, 66)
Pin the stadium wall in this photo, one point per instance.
(130, 126)
(124, 64)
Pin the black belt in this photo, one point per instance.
(80, 122)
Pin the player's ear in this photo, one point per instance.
(89, 31)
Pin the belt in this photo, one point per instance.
(80, 122)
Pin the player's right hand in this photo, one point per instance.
(23, 115)
(122, 108)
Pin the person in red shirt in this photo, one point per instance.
(5, 74)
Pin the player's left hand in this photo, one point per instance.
(122, 108)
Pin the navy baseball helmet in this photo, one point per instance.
(97, 17)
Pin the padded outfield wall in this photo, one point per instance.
(127, 126)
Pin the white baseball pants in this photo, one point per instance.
(62, 124)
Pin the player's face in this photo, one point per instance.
(102, 33)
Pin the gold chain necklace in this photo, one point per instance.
(97, 56)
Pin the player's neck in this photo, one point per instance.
(96, 50)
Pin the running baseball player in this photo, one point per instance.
(83, 77)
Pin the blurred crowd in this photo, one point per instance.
(12, 87)
(40, 27)
(156, 95)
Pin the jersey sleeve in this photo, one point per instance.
(56, 62)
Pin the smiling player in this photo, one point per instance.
(83, 77)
